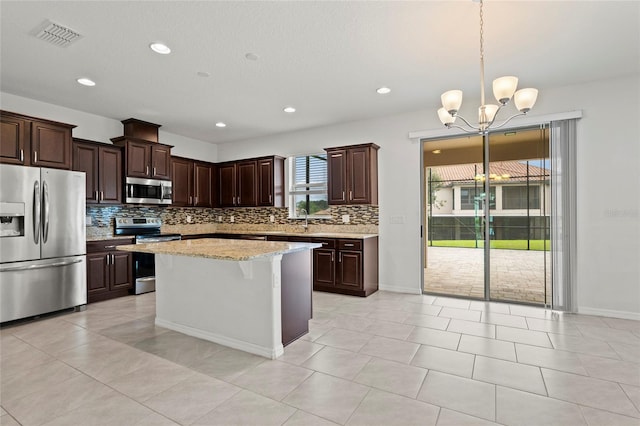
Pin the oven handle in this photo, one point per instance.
(154, 240)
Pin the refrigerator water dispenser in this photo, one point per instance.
(11, 219)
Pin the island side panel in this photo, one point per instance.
(234, 303)
(296, 295)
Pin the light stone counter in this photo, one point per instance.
(221, 249)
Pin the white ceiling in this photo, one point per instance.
(324, 58)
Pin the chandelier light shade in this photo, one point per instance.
(504, 88)
(525, 99)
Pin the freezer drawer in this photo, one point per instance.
(42, 286)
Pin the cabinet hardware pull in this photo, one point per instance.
(154, 171)
(35, 157)
(234, 200)
(340, 258)
(108, 259)
(109, 247)
(348, 245)
(324, 244)
(332, 258)
(195, 199)
(270, 198)
(96, 196)
(101, 195)
(343, 196)
(147, 171)
(351, 195)
(22, 155)
(238, 200)
(190, 199)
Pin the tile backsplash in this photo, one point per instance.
(102, 217)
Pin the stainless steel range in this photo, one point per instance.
(145, 230)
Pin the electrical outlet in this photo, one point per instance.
(345, 218)
(272, 218)
(189, 218)
(232, 219)
(88, 220)
(219, 218)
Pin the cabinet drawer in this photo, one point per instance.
(327, 243)
(350, 245)
(107, 245)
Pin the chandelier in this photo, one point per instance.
(504, 88)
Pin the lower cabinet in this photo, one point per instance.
(346, 266)
(109, 272)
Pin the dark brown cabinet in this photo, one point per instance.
(353, 174)
(252, 182)
(193, 182)
(237, 182)
(144, 159)
(271, 182)
(30, 141)
(102, 165)
(109, 272)
(346, 266)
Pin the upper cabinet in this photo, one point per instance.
(102, 165)
(353, 174)
(193, 182)
(252, 182)
(30, 141)
(144, 159)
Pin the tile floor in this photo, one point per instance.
(389, 359)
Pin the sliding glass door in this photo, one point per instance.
(515, 266)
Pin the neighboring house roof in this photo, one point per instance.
(503, 172)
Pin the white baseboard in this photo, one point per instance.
(222, 340)
(399, 289)
(609, 313)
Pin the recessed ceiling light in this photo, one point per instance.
(252, 56)
(383, 90)
(436, 151)
(289, 109)
(86, 81)
(220, 124)
(203, 74)
(160, 48)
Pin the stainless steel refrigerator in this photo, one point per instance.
(42, 241)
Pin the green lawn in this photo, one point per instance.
(497, 244)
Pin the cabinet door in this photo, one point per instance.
(323, 268)
(160, 162)
(138, 159)
(227, 181)
(122, 275)
(349, 269)
(265, 182)
(50, 145)
(337, 170)
(202, 184)
(14, 140)
(182, 182)
(359, 175)
(85, 159)
(247, 183)
(110, 179)
(97, 273)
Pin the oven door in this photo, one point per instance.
(145, 272)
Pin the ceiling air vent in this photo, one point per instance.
(56, 34)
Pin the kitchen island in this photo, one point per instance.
(249, 295)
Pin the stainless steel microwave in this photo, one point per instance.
(147, 191)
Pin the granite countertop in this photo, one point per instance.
(352, 235)
(221, 249)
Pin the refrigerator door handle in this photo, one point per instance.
(32, 267)
(45, 211)
(36, 212)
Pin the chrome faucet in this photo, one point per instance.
(306, 219)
